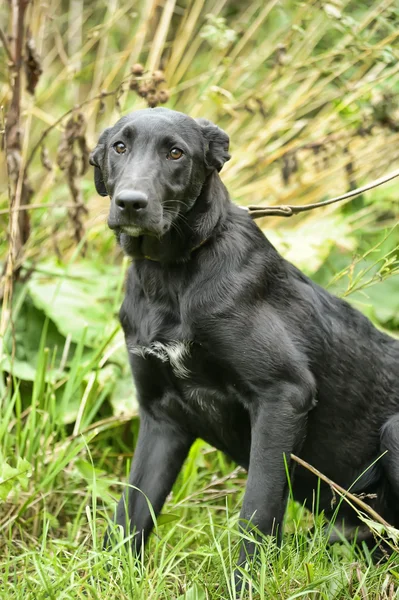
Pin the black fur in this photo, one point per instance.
(272, 363)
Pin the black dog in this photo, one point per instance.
(230, 343)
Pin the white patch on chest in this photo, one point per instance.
(174, 353)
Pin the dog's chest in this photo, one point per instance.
(184, 382)
(191, 370)
(179, 372)
(174, 354)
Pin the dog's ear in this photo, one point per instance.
(97, 160)
(217, 144)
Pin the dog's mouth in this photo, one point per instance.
(151, 223)
(135, 231)
(132, 230)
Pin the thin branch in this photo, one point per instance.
(6, 46)
(7, 211)
(288, 210)
(343, 492)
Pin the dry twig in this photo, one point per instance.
(342, 491)
(257, 212)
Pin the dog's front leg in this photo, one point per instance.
(278, 424)
(160, 452)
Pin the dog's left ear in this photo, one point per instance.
(217, 144)
(97, 160)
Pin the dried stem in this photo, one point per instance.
(257, 212)
(342, 491)
(18, 186)
(6, 46)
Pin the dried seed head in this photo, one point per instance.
(158, 77)
(152, 100)
(163, 96)
(33, 67)
(134, 84)
(45, 159)
(137, 69)
(142, 90)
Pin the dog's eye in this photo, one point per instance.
(175, 154)
(119, 147)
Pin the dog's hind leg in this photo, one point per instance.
(390, 460)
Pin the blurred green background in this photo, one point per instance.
(308, 93)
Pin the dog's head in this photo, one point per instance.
(153, 164)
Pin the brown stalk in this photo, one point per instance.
(18, 186)
(20, 189)
(342, 491)
(288, 210)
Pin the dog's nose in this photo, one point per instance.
(130, 200)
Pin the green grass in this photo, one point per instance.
(58, 490)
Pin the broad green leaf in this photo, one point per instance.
(19, 368)
(308, 244)
(27, 332)
(84, 297)
(383, 297)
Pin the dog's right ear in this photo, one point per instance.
(97, 160)
(217, 144)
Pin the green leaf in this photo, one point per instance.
(383, 297)
(28, 329)
(85, 298)
(5, 489)
(19, 368)
(310, 243)
(390, 532)
(88, 471)
(123, 398)
(25, 470)
(95, 480)
(309, 569)
(8, 475)
(167, 518)
(194, 593)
